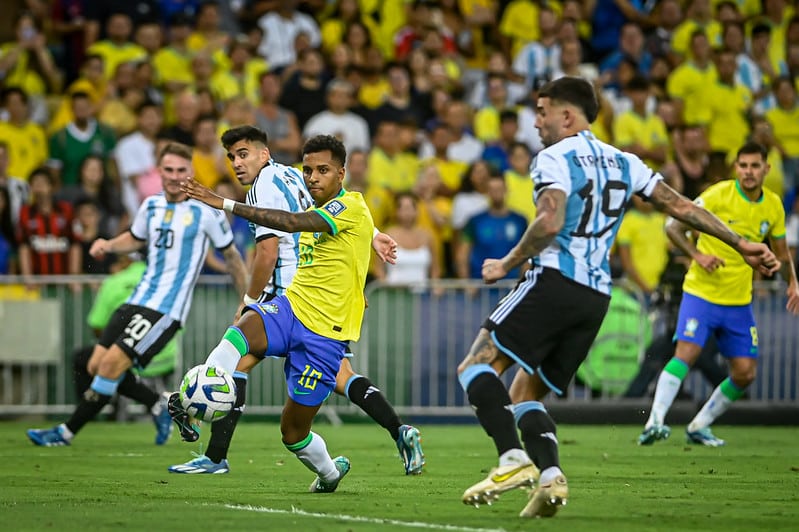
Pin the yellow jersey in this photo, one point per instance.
(753, 220)
(648, 131)
(688, 83)
(519, 196)
(725, 113)
(27, 148)
(396, 173)
(326, 294)
(648, 243)
(114, 55)
(786, 128)
(681, 38)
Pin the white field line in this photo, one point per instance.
(359, 519)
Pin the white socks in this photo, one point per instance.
(514, 457)
(225, 356)
(316, 458)
(667, 388)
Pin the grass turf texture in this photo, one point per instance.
(114, 477)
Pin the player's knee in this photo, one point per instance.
(743, 377)
(113, 364)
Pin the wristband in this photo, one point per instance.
(375, 233)
(249, 300)
(227, 205)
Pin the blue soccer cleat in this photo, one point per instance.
(188, 431)
(321, 486)
(703, 437)
(47, 437)
(163, 421)
(410, 449)
(201, 465)
(654, 433)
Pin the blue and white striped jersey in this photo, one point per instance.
(177, 236)
(598, 180)
(280, 187)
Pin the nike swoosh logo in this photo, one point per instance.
(505, 476)
(300, 392)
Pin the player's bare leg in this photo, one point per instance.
(479, 376)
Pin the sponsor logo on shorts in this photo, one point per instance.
(690, 327)
(297, 391)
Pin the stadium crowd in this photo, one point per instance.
(434, 101)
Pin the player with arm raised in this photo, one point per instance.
(717, 295)
(175, 231)
(548, 322)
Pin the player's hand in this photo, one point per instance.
(99, 248)
(201, 193)
(385, 247)
(759, 257)
(793, 299)
(493, 271)
(709, 263)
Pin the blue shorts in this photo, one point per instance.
(312, 360)
(733, 326)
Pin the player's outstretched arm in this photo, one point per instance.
(549, 219)
(676, 231)
(124, 243)
(668, 200)
(788, 272)
(290, 222)
(385, 247)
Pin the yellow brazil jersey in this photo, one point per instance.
(519, 23)
(27, 148)
(114, 55)
(649, 245)
(486, 124)
(727, 107)
(688, 83)
(747, 8)
(753, 220)
(775, 178)
(786, 128)
(326, 294)
(519, 197)
(22, 73)
(681, 38)
(396, 173)
(648, 131)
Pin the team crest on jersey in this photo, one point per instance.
(690, 327)
(269, 308)
(168, 216)
(334, 208)
(188, 218)
(763, 227)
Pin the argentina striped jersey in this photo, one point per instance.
(598, 180)
(280, 187)
(177, 236)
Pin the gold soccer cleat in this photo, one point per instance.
(500, 480)
(547, 498)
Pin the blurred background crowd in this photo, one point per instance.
(434, 101)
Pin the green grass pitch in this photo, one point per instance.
(114, 478)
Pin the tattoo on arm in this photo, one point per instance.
(290, 222)
(550, 216)
(667, 200)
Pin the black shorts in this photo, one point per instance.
(139, 331)
(547, 324)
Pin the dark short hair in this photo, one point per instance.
(752, 148)
(575, 91)
(760, 29)
(42, 171)
(326, 143)
(176, 148)
(637, 83)
(508, 114)
(248, 133)
(13, 89)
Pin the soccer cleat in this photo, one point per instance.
(200, 465)
(410, 449)
(163, 421)
(703, 437)
(500, 480)
(321, 486)
(654, 433)
(188, 431)
(547, 498)
(47, 437)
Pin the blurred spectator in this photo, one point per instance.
(450, 172)
(777, 15)
(464, 147)
(698, 17)
(208, 162)
(607, 18)
(135, 154)
(81, 137)
(17, 189)
(417, 259)
(96, 186)
(767, 70)
(378, 198)
(186, 113)
(471, 196)
(473, 24)
(207, 36)
(727, 108)
(119, 110)
(374, 86)
(87, 229)
(763, 134)
(26, 145)
(281, 28)
(388, 165)
(487, 119)
(27, 63)
(359, 40)
(688, 80)
(497, 66)
(92, 81)
(537, 61)
(150, 36)
(280, 123)
(497, 151)
(401, 104)
(631, 47)
(518, 180)
(172, 63)
(304, 91)
(691, 157)
(784, 119)
(99, 13)
(244, 72)
(668, 15)
(640, 131)
(8, 242)
(518, 26)
(47, 245)
(345, 13)
(422, 15)
(242, 236)
(571, 62)
(489, 234)
(643, 245)
(117, 48)
(69, 28)
(338, 120)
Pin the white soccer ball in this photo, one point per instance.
(207, 393)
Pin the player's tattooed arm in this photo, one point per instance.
(549, 219)
(290, 222)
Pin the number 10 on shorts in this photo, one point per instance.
(309, 378)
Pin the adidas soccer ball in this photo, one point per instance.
(207, 393)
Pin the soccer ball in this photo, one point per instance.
(207, 393)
